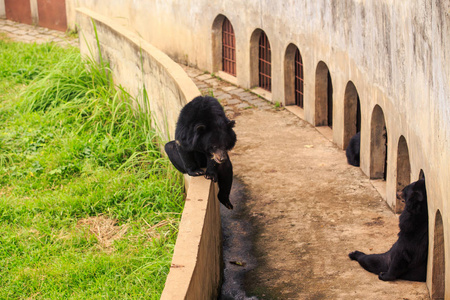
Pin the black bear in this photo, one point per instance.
(407, 259)
(203, 137)
(352, 151)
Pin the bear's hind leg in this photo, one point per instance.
(190, 161)
(374, 263)
(183, 161)
(417, 274)
(397, 267)
(174, 156)
(355, 255)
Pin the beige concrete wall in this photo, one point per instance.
(137, 64)
(2, 9)
(197, 261)
(34, 11)
(395, 53)
(196, 265)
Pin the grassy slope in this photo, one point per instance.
(88, 207)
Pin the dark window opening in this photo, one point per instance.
(438, 270)
(298, 79)
(385, 154)
(378, 145)
(330, 101)
(358, 115)
(265, 68)
(228, 48)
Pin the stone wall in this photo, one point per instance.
(196, 265)
(2, 9)
(391, 55)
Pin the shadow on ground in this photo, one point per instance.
(237, 244)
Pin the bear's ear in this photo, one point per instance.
(199, 127)
(231, 124)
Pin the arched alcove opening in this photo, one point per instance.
(216, 38)
(223, 46)
(260, 61)
(403, 171)
(352, 113)
(438, 275)
(324, 96)
(378, 145)
(293, 76)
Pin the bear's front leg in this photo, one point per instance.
(225, 180)
(211, 170)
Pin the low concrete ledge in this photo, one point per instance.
(195, 272)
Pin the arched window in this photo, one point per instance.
(228, 48)
(265, 67)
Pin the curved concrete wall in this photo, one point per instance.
(135, 63)
(394, 53)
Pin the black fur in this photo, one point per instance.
(203, 137)
(352, 151)
(407, 259)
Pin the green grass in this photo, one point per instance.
(89, 208)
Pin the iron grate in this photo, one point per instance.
(265, 67)
(228, 48)
(298, 79)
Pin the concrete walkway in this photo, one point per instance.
(307, 207)
(34, 34)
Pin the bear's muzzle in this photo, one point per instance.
(220, 156)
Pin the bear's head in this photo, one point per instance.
(416, 207)
(203, 126)
(215, 139)
(415, 196)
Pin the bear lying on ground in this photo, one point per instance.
(203, 137)
(352, 151)
(407, 259)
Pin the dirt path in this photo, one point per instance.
(307, 207)
(310, 209)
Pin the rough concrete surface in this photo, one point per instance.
(307, 209)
